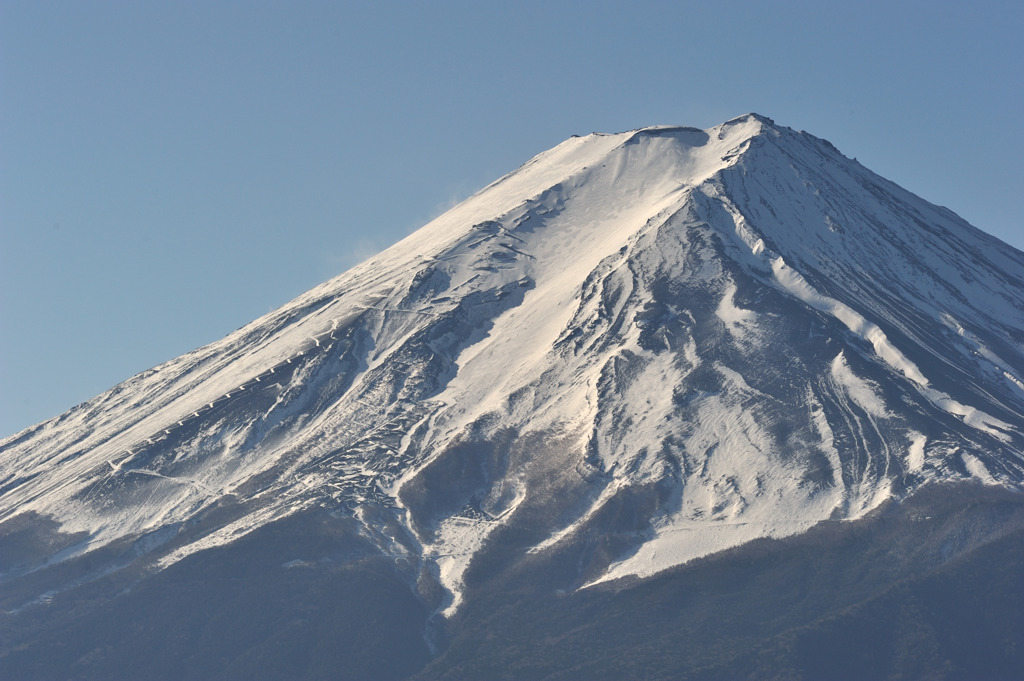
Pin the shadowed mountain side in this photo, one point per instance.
(303, 598)
(927, 589)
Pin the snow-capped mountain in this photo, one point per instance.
(635, 350)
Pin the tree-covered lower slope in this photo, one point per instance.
(302, 598)
(930, 589)
(927, 589)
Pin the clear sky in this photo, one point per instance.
(170, 171)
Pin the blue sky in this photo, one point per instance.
(171, 171)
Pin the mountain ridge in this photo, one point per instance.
(645, 347)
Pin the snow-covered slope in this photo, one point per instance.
(730, 333)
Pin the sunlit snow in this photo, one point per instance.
(734, 332)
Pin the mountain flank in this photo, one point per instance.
(669, 403)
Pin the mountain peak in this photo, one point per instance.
(672, 337)
(765, 120)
